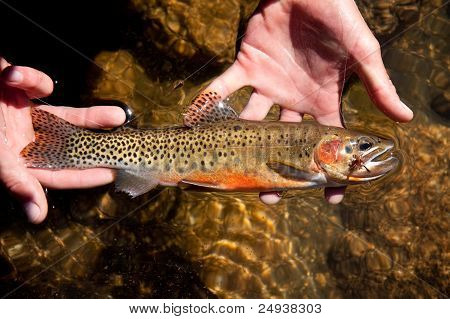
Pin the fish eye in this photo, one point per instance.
(364, 145)
(348, 149)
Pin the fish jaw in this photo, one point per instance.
(377, 163)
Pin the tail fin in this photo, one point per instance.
(52, 136)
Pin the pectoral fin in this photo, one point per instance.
(200, 184)
(135, 183)
(290, 172)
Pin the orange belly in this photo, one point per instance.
(230, 180)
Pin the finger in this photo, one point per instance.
(257, 107)
(23, 186)
(381, 89)
(231, 80)
(269, 198)
(330, 119)
(287, 115)
(35, 83)
(3, 63)
(334, 195)
(90, 117)
(72, 178)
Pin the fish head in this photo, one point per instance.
(349, 157)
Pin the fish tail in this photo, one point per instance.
(52, 136)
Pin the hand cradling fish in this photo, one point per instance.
(216, 150)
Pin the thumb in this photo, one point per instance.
(23, 185)
(35, 83)
(372, 72)
(231, 80)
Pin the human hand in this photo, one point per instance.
(17, 86)
(296, 53)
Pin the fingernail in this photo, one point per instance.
(406, 108)
(335, 198)
(33, 211)
(13, 76)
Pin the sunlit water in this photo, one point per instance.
(387, 239)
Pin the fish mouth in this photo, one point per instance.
(376, 163)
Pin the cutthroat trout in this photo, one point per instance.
(216, 150)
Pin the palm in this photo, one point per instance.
(304, 56)
(15, 119)
(296, 52)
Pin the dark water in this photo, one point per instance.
(387, 239)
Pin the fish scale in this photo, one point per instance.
(182, 149)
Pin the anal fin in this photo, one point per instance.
(135, 183)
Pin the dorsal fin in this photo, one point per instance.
(207, 107)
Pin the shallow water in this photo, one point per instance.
(387, 239)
